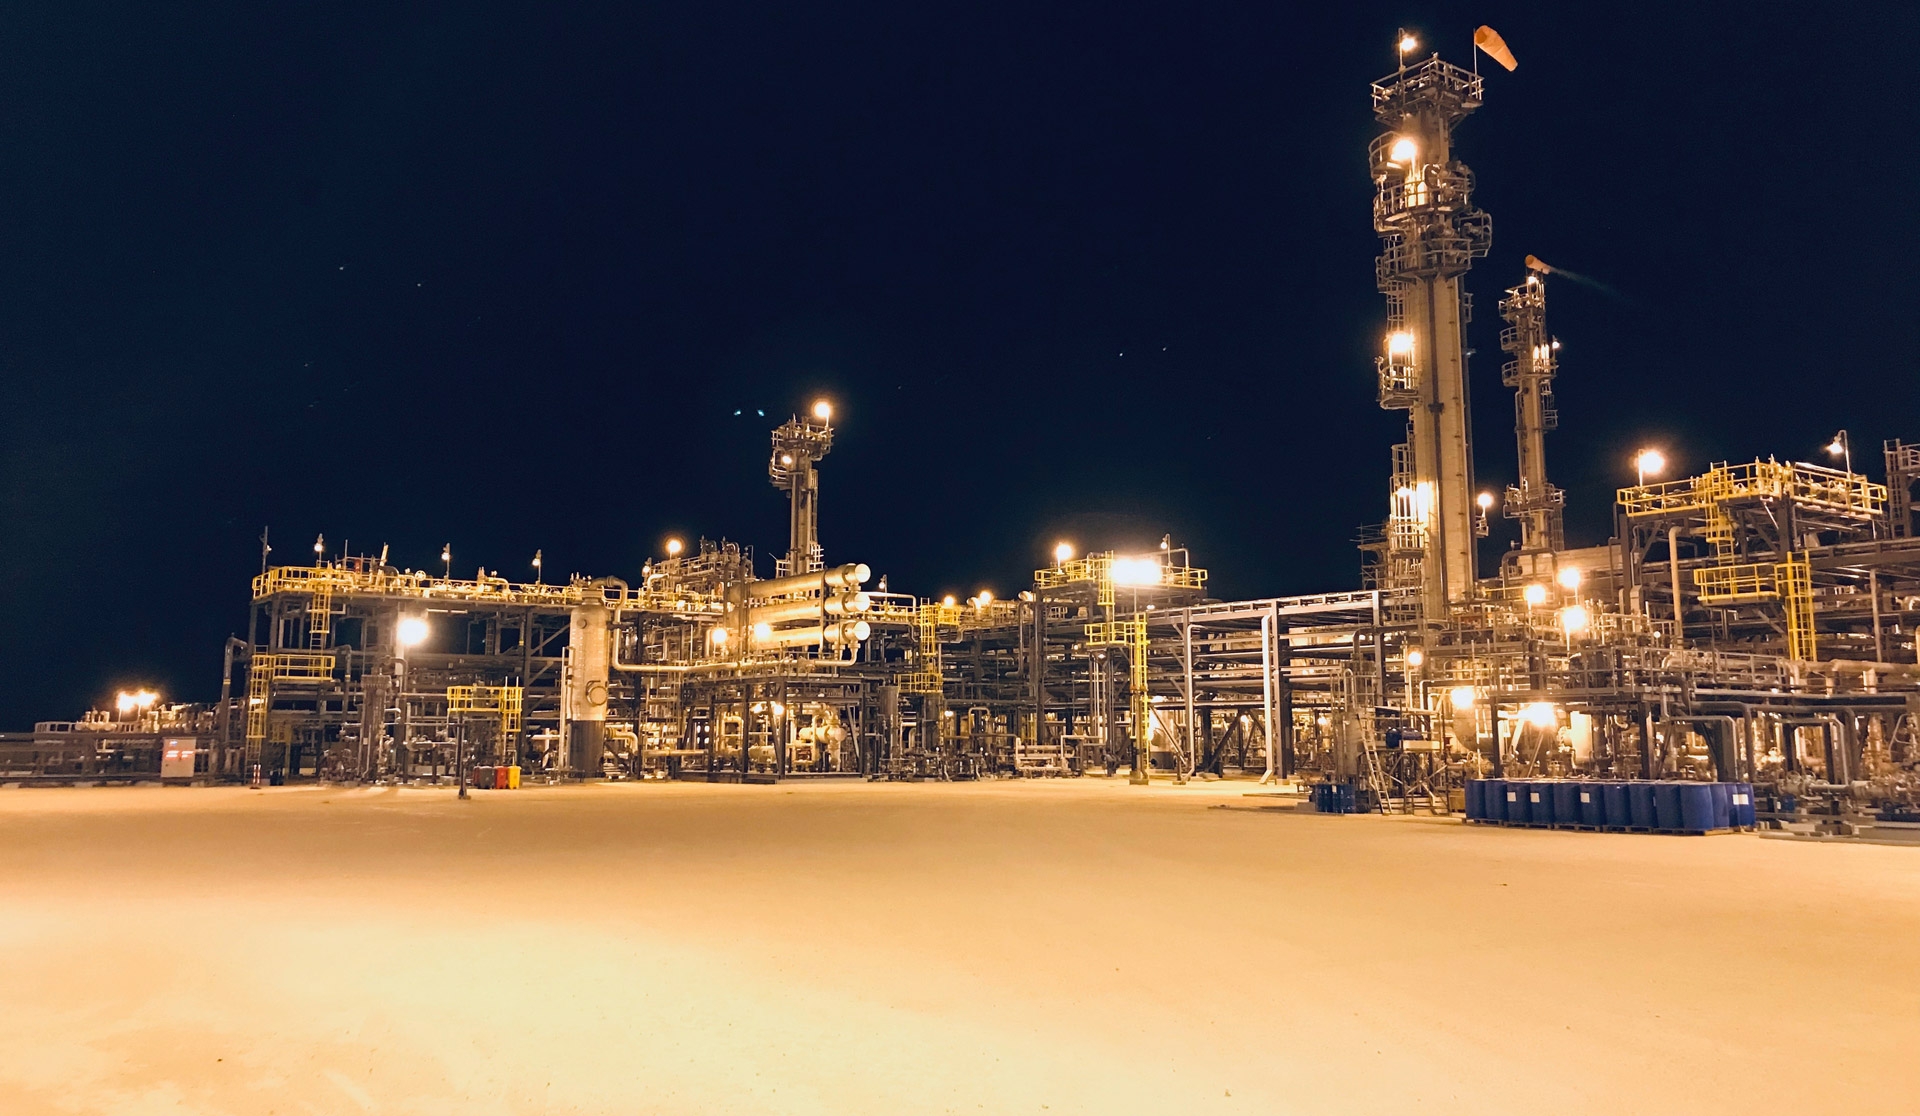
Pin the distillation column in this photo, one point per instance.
(589, 647)
(798, 445)
(1430, 234)
(1537, 504)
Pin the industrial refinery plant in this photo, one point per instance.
(1750, 625)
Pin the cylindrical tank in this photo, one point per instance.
(1666, 806)
(1743, 808)
(843, 603)
(1493, 800)
(1593, 804)
(1696, 807)
(850, 576)
(839, 632)
(1722, 805)
(1566, 802)
(1640, 808)
(589, 640)
(1476, 799)
(1614, 797)
(1519, 801)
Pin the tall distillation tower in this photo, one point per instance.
(1537, 504)
(798, 445)
(1430, 235)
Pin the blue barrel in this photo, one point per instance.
(1476, 799)
(1519, 806)
(1696, 806)
(1743, 805)
(1539, 802)
(1566, 802)
(1640, 812)
(1493, 800)
(1614, 797)
(1666, 806)
(1722, 805)
(1593, 807)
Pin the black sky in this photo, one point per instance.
(502, 277)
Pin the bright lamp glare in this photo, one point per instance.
(1651, 462)
(1535, 595)
(1461, 696)
(1574, 618)
(823, 410)
(947, 601)
(1485, 500)
(1539, 715)
(1399, 343)
(1063, 552)
(1415, 656)
(412, 631)
(1408, 44)
(674, 547)
(1135, 571)
(1403, 150)
(1568, 577)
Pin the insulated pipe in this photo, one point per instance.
(812, 608)
(1733, 737)
(849, 576)
(853, 632)
(1679, 602)
(1266, 688)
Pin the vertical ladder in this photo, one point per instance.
(1796, 591)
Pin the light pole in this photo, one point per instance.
(1842, 447)
(1649, 463)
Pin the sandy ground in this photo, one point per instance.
(853, 948)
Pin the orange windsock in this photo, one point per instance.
(1535, 263)
(1489, 40)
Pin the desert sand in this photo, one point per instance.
(1059, 947)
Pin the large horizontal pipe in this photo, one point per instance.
(853, 631)
(810, 608)
(849, 576)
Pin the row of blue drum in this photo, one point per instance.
(1656, 806)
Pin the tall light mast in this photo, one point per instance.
(1537, 504)
(798, 445)
(1430, 235)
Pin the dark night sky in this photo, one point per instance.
(502, 278)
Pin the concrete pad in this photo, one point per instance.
(1046, 946)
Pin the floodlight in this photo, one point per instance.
(1403, 151)
(822, 410)
(1135, 571)
(1569, 578)
(1539, 715)
(1649, 463)
(1574, 619)
(1535, 595)
(1415, 656)
(674, 547)
(1400, 343)
(411, 631)
(1461, 696)
(1063, 552)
